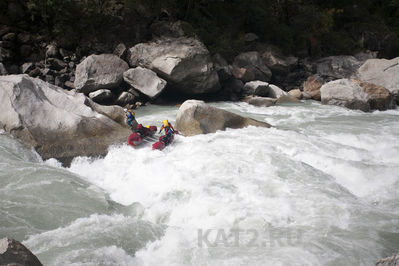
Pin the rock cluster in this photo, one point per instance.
(350, 82)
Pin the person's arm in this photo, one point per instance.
(171, 126)
(161, 129)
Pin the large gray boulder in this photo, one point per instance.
(250, 66)
(144, 80)
(183, 62)
(345, 92)
(382, 72)
(57, 123)
(196, 117)
(14, 253)
(104, 71)
(263, 89)
(337, 67)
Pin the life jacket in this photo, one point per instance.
(130, 118)
(168, 129)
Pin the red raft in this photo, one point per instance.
(137, 137)
(164, 141)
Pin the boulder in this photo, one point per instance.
(380, 98)
(27, 67)
(13, 252)
(337, 67)
(382, 72)
(101, 96)
(120, 51)
(390, 261)
(183, 62)
(312, 87)
(345, 92)
(254, 67)
(196, 117)
(287, 99)
(56, 63)
(306, 96)
(144, 80)
(35, 72)
(57, 123)
(257, 87)
(275, 92)
(277, 62)
(296, 93)
(125, 98)
(3, 70)
(96, 72)
(263, 89)
(260, 101)
(69, 85)
(113, 112)
(52, 50)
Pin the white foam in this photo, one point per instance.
(319, 169)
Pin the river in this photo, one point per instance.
(321, 187)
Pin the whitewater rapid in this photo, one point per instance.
(318, 188)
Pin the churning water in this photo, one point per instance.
(319, 188)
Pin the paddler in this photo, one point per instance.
(169, 130)
(131, 119)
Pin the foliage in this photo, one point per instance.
(335, 26)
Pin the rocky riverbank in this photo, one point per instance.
(175, 65)
(63, 99)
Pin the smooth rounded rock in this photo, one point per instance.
(196, 117)
(346, 93)
(57, 123)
